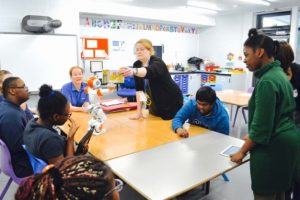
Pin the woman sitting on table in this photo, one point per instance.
(40, 138)
(80, 177)
(164, 95)
(74, 91)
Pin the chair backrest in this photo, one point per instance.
(5, 163)
(128, 82)
(250, 89)
(215, 86)
(36, 163)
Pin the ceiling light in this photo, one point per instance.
(203, 4)
(261, 2)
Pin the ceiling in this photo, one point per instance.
(226, 6)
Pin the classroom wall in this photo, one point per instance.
(178, 47)
(173, 15)
(211, 43)
(227, 36)
(12, 13)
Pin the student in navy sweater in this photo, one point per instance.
(206, 111)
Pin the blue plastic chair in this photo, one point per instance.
(36, 163)
(215, 86)
(127, 89)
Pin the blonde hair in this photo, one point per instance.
(2, 75)
(147, 44)
(75, 67)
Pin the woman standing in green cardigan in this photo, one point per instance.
(273, 140)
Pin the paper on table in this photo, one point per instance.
(112, 102)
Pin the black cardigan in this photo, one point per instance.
(166, 94)
(295, 81)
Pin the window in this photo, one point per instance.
(275, 24)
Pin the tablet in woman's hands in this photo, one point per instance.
(230, 150)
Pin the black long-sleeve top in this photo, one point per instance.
(165, 95)
(295, 81)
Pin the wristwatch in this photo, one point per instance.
(135, 71)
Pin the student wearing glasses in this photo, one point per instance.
(13, 122)
(4, 74)
(40, 138)
(74, 90)
(80, 177)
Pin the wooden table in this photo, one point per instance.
(124, 136)
(127, 142)
(235, 97)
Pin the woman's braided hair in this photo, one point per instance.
(79, 177)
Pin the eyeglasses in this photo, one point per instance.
(67, 114)
(21, 87)
(118, 187)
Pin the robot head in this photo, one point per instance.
(94, 83)
(93, 86)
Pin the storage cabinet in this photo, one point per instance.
(190, 82)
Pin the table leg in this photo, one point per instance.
(207, 184)
(236, 112)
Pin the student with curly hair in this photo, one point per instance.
(79, 177)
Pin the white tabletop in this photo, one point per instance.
(171, 169)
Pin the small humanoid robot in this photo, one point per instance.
(93, 89)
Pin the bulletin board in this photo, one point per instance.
(95, 48)
(39, 58)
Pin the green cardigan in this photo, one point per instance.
(275, 157)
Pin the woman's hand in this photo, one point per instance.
(73, 128)
(246, 137)
(23, 106)
(237, 157)
(137, 116)
(85, 106)
(126, 71)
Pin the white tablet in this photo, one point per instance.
(230, 150)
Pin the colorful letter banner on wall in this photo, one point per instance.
(96, 22)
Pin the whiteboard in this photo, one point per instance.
(39, 59)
